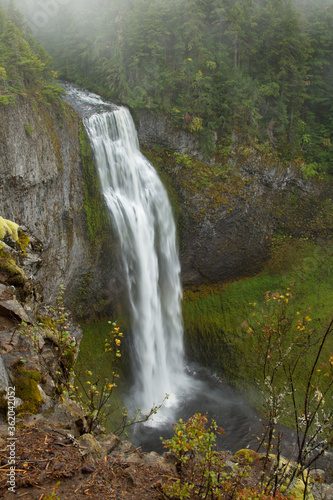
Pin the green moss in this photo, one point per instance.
(23, 240)
(246, 455)
(11, 228)
(8, 227)
(15, 275)
(49, 329)
(205, 334)
(29, 129)
(26, 384)
(5, 100)
(92, 354)
(298, 491)
(96, 212)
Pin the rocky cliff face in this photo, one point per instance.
(229, 234)
(229, 211)
(43, 188)
(156, 129)
(40, 186)
(232, 211)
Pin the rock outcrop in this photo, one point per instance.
(46, 186)
(156, 130)
(230, 226)
(230, 210)
(32, 356)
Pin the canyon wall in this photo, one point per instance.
(233, 210)
(50, 188)
(229, 212)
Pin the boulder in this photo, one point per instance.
(90, 447)
(69, 415)
(13, 308)
(109, 443)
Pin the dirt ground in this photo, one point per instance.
(49, 464)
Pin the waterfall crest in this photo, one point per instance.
(143, 220)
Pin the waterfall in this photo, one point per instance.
(143, 221)
(142, 218)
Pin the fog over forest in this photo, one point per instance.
(261, 67)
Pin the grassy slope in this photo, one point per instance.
(213, 317)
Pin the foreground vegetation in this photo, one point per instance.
(293, 376)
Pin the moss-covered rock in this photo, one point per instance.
(299, 486)
(13, 274)
(90, 446)
(298, 491)
(8, 227)
(48, 329)
(98, 219)
(23, 240)
(26, 384)
(246, 456)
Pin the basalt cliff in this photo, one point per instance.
(49, 186)
(229, 211)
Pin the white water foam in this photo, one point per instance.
(143, 220)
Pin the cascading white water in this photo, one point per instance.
(142, 216)
(143, 219)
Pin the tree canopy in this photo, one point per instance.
(260, 68)
(25, 67)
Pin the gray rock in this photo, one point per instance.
(126, 448)
(322, 491)
(67, 413)
(156, 129)
(48, 402)
(13, 308)
(109, 443)
(317, 475)
(10, 290)
(4, 379)
(132, 459)
(90, 447)
(153, 459)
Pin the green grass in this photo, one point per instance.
(92, 356)
(213, 317)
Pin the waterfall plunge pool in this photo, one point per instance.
(210, 396)
(204, 393)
